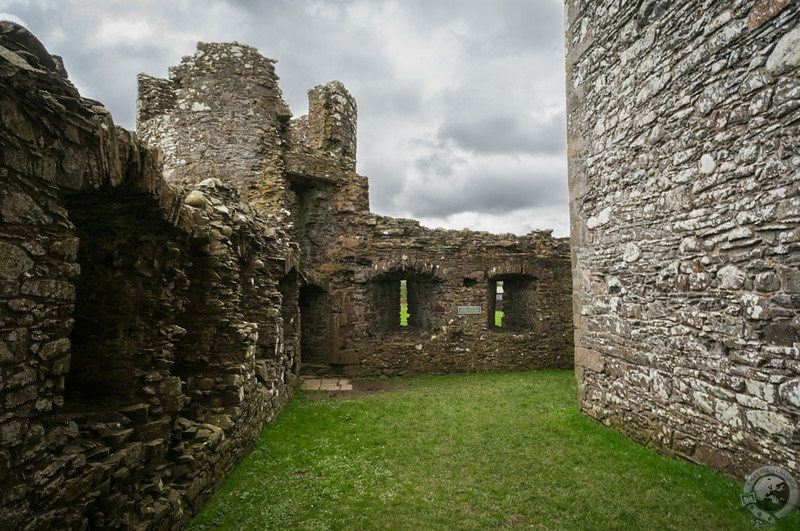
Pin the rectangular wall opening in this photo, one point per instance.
(315, 342)
(402, 300)
(404, 315)
(498, 304)
(511, 303)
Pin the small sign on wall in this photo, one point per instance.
(469, 310)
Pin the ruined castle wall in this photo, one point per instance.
(141, 331)
(148, 331)
(683, 122)
(328, 132)
(451, 279)
(353, 261)
(443, 271)
(219, 115)
(328, 196)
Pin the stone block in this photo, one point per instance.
(49, 289)
(158, 429)
(6, 356)
(767, 282)
(781, 333)
(790, 279)
(15, 261)
(16, 398)
(61, 365)
(116, 438)
(731, 277)
(771, 423)
(786, 54)
(26, 376)
(789, 392)
(589, 359)
(137, 412)
(220, 420)
(763, 10)
(11, 433)
(763, 390)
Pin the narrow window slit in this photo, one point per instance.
(404, 315)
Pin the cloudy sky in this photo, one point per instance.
(461, 102)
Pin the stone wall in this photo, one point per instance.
(141, 332)
(352, 261)
(683, 122)
(446, 271)
(223, 91)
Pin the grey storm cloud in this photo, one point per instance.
(492, 193)
(500, 26)
(492, 186)
(507, 133)
(480, 81)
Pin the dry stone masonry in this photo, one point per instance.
(352, 262)
(684, 128)
(159, 297)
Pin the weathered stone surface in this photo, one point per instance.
(703, 327)
(767, 282)
(786, 54)
(117, 297)
(589, 359)
(731, 277)
(763, 10)
(790, 392)
(15, 261)
(196, 199)
(632, 252)
(53, 349)
(707, 164)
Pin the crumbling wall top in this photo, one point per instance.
(219, 115)
(330, 128)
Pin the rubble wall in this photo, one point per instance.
(451, 279)
(141, 330)
(352, 261)
(356, 261)
(219, 114)
(683, 125)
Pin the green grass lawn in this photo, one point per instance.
(498, 318)
(495, 450)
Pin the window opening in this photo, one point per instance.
(498, 304)
(404, 300)
(404, 315)
(511, 303)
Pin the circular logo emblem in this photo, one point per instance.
(770, 493)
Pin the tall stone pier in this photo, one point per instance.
(683, 126)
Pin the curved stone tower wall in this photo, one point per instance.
(684, 161)
(220, 114)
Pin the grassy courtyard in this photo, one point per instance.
(497, 450)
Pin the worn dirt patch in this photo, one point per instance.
(369, 387)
